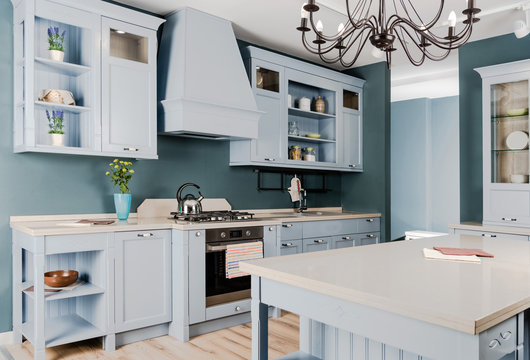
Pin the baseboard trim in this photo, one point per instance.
(6, 338)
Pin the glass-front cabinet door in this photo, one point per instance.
(505, 102)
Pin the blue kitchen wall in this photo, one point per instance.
(34, 183)
(370, 190)
(497, 50)
(425, 165)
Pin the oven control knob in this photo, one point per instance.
(248, 233)
(223, 235)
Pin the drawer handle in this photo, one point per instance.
(319, 241)
(287, 244)
(370, 220)
(353, 165)
(489, 235)
(198, 234)
(130, 149)
(271, 229)
(506, 335)
(145, 235)
(238, 308)
(346, 238)
(371, 235)
(270, 159)
(494, 343)
(508, 219)
(287, 225)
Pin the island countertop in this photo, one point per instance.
(395, 277)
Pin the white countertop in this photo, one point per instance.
(395, 277)
(478, 226)
(65, 224)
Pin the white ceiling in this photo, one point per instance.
(272, 23)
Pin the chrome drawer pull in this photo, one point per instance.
(270, 159)
(494, 343)
(353, 165)
(238, 308)
(489, 235)
(287, 244)
(371, 235)
(198, 233)
(130, 149)
(508, 219)
(506, 335)
(287, 225)
(319, 241)
(370, 220)
(271, 229)
(346, 238)
(145, 235)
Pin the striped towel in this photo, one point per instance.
(240, 252)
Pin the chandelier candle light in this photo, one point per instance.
(404, 24)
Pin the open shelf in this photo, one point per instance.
(309, 114)
(71, 108)
(63, 330)
(506, 150)
(59, 67)
(82, 290)
(308, 139)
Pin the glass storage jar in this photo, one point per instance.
(309, 154)
(293, 128)
(295, 152)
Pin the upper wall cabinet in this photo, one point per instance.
(94, 93)
(505, 103)
(312, 116)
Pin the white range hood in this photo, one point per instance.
(203, 87)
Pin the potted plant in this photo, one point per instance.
(120, 174)
(55, 122)
(56, 40)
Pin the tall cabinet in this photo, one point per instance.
(334, 133)
(109, 68)
(506, 158)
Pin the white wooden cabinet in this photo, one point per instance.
(112, 78)
(505, 102)
(142, 279)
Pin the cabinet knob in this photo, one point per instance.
(346, 238)
(238, 308)
(270, 159)
(287, 225)
(353, 165)
(130, 149)
(198, 234)
(508, 219)
(489, 235)
(319, 241)
(271, 229)
(370, 220)
(145, 235)
(371, 235)
(506, 335)
(494, 343)
(287, 244)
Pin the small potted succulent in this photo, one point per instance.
(56, 41)
(120, 174)
(55, 122)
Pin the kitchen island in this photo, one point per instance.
(387, 302)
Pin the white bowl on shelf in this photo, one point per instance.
(519, 178)
(517, 140)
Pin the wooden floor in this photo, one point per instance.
(230, 344)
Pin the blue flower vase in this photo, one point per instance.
(122, 203)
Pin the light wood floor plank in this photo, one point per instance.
(228, 344)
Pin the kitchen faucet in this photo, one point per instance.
(303, 201)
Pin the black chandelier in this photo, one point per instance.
(413, 33)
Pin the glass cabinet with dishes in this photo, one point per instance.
(505, 140)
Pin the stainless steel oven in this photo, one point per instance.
(219, 288)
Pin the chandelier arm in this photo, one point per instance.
(359, 49)
(444, 45)
(318, 49)
(363, 19)
(409, 55)
(426, 27)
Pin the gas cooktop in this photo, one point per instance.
(221, 216)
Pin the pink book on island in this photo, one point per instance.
(462, 252)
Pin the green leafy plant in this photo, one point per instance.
(120, 174)
(55, 40)
(55, 121)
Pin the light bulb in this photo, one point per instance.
(303, 13)
(320, 26)
(340, 29)
(452, 19)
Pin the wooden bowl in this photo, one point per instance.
(60, 278)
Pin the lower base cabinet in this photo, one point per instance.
(290, 247)
(367, 239)
(491, 234)
(142, 279)
(317, 244)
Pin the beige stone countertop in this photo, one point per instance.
(42, 225)
(395, 277)
(478, 226)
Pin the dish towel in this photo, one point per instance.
(240, 252)
(436, 255)
(460, 251)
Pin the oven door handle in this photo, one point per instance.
(221, 246)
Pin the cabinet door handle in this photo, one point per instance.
(198, 234)
(130, 149)
(287, 225)
(489, 235)
(346, 238)
(506, 335)
(238, 308)
(494, 343)
(508, 219)
(145, 235)
(370, 220)
(353, 165)
(287, 244)
(271, 229)
(371, 235)
(319, 241)
(270, 159)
